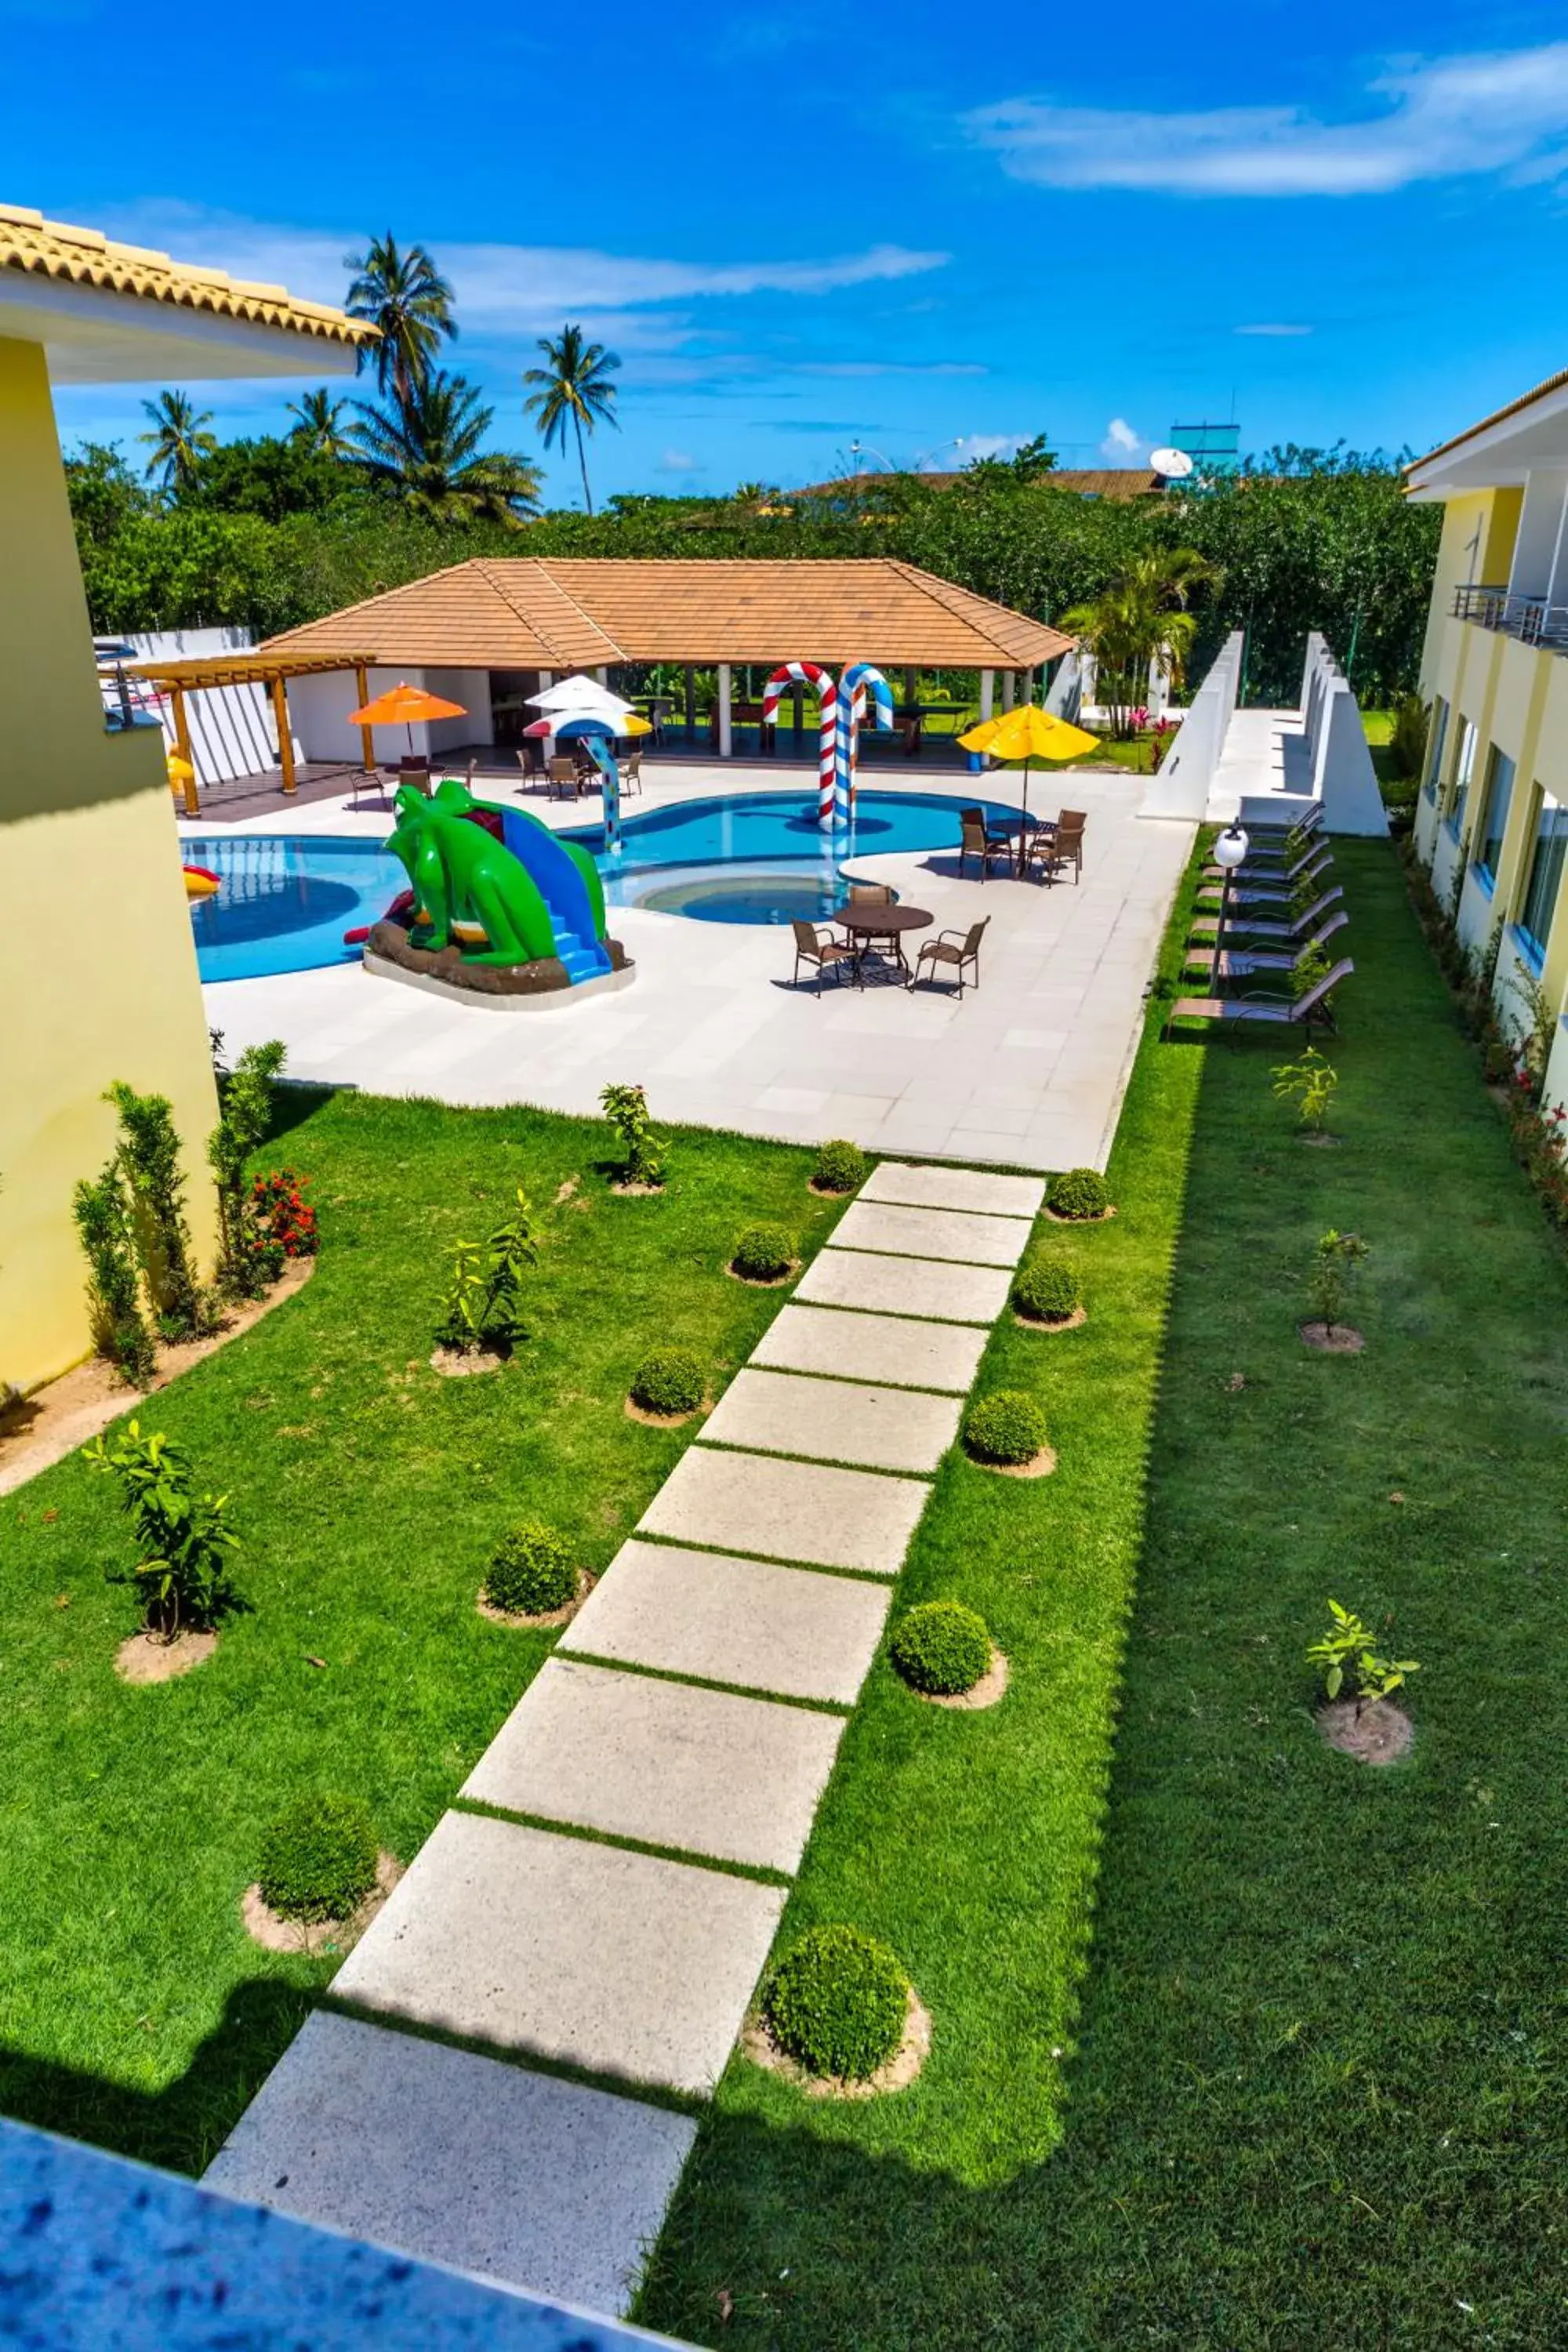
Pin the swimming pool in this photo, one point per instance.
(286, 900)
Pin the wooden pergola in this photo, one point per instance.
(272, 671)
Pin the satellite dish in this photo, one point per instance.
(1174, 464)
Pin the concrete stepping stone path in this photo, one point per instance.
(787, 1510)
(764, 1563)
(415, 2144)
(933, 1233)
(701, 1771)
(618, 1963)
(746, 1622)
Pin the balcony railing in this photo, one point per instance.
(1532, 619)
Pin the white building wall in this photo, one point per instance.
(320, 708)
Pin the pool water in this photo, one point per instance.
(286, 900)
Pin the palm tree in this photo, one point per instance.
(318, 426)
(179, 440)
(429, 454)
(405, 296)
(1138, 618)
(575, 389)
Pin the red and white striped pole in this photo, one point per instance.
(804, 673)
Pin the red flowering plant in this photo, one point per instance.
(283, 1221)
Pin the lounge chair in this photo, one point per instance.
(1308, 1011)
(1054, 848)
(977, 839)
(822, 952)
(1270, 865)
(953, 951)
(1273, 893)
(1240, 963)
(1302, 827)
(1207, 927)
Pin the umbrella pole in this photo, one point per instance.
(1024, 824)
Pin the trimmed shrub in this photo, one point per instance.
(1079, 1193)
(836, 2003)
(319, 1859)
(531, 1572)
(1007, 1426)
(840, 1167)
(671, 1379)
(942, 1647)
(764, 1253)
(1046, 1290)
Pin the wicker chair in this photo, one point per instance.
(822, 952)
(952, 952)
(976, 839)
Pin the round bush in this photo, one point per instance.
(532, 1573)
(319, 1859)
(840, 1167)
(942, 1647)
(764, 1253)
(1007, 1426)
(837, 2002)
(1079, 1193)
(1046, 1290)
(671, 1379)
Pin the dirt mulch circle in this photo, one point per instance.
(1320, 1142)
(649, 1420)
(987, 1692)
(274, 1934)
(1050, 1323)
(635, 1192)
(39, 1430)
(1378, 1733)
(1338, 1340)
(519, 1617)
(1103, 1219)
(830, 1191)
(1040, 1466)
(457, 1363)
(757, 2042)
(765, 1281)
(149, 1658)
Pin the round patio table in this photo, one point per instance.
(865, 920)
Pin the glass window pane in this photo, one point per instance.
(1439, 738)
(1463, 771)
(1494, 813)
(1545, 874)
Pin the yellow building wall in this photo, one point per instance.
(100, 968)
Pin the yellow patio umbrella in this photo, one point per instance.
(1028, 733)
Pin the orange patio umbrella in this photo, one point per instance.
(401, 705)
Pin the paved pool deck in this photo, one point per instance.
(1026, 1071)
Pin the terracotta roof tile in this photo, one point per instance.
(85, 257)
(551, 612)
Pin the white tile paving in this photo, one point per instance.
(905, 1285)
(802, 1511)
(833, 1420)
(720, 1038)
(790, 1629)
(965, 1188)
(885, 1347)
(931, 1233)
(701, 1771)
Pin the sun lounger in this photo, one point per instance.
(1308, 1011)
(1207, 927)
(1275, 894)
(1240, 963)
(1269, 865)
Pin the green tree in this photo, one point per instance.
(270, 476)
(428, 453)
(179, 440)
(573, 389)
(319, 424)
(1139, 617)
(105, 495)
(404, 296)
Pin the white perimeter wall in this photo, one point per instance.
(319, 707)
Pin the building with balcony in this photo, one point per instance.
(101, 964)
(1492, 817)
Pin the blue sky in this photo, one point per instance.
(807, 229)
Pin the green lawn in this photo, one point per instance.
(134, 2010)
(1315, 2095)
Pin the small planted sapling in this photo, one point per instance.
(627, 1109)
(150, 1159)
(1311, 1082)
(1346, 1661)
(184, 1537)
(251, 1257)
(460, 1325)
(1335, 1264)
(513, 1254)
(102, 1215)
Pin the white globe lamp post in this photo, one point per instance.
(1228, 851)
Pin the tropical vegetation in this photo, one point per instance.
(572, 391)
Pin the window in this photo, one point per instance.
(1545, 876)
(1494, 813)
(1435, 748)
(1464, 769)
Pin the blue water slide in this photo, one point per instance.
(568, 881)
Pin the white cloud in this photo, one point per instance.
(678, 461)
(1271, 329)
(1122, 443)
(504, 289)
(1505, 111)
(968, 448)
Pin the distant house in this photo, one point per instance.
(1492, 817)
(101, 960)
